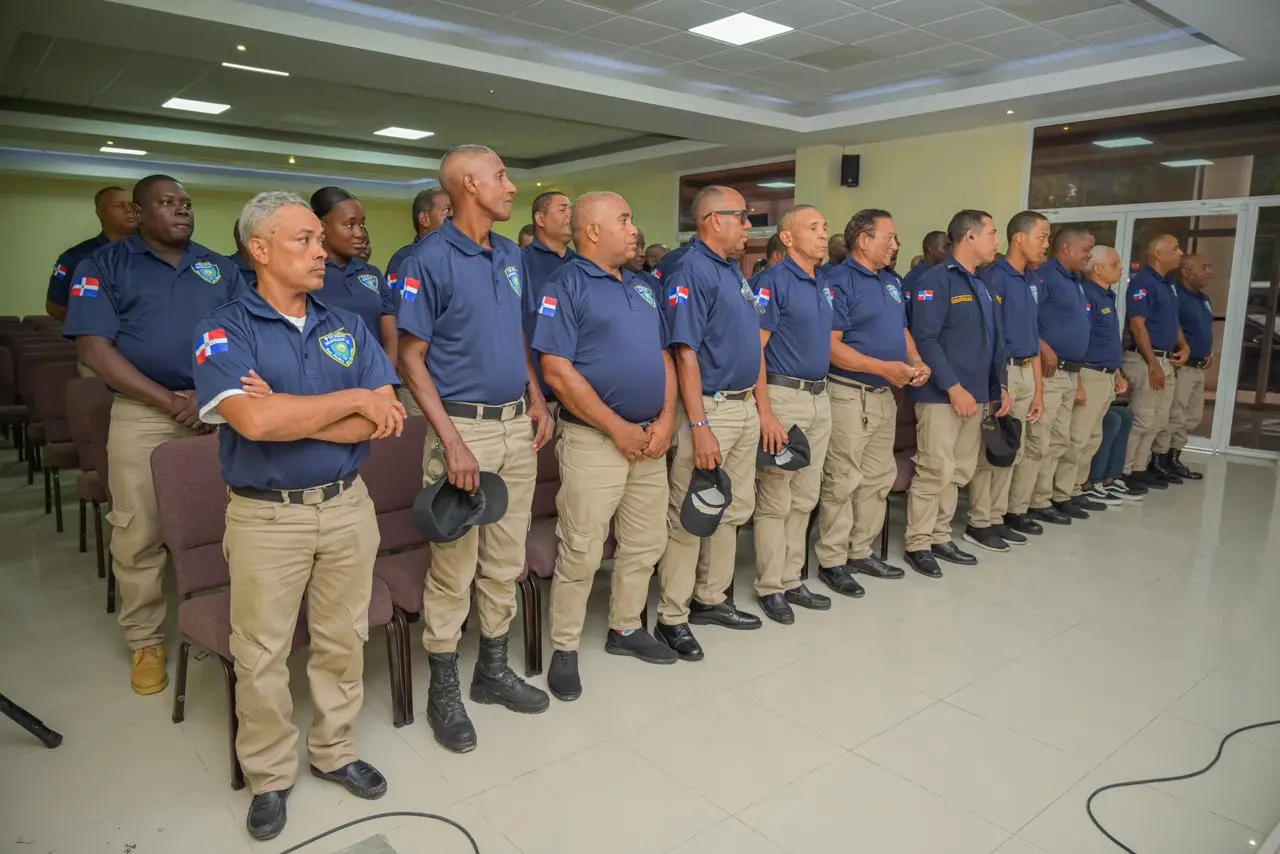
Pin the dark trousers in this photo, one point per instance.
(1109, 461)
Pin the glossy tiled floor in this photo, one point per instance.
(968, 715)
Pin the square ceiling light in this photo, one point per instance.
(404, 133)
(740, 29)
(207, 107)
(1194, 161)
(1122, 142)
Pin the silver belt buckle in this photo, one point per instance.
(314, 495)
(718, 396)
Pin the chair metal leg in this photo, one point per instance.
(57, 499)
(229, 672)
(99, 546)
(48, 491)
(808, 537)
(31, 464)
(526, 606)
(397, 650)
(538, 611)
(180, 683)
(20, 441)
(884, 532)
(84, 539)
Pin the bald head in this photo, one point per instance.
(1163, 254)
(1195, 271)
(721, 217)
(715, 198)
(476, 180)
(803, 231)
(602, 229)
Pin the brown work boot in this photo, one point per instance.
(149, 674)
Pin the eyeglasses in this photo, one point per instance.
(744, 216)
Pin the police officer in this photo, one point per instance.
(1100, 378)
(870, 353)
(1015, 286)
(602, 343)
(792, 392)
(713, 324)
(1157, 347)
(118, 220)
(464, 358)
(299, 519)
(1063, 321)
(936, 247)
(669, 260)
(243, 259)
(957, 329)
(653, 255)
(134, 306)
(526, 235)
(431, 207)
(546, 254)
(350, 281)
(837, 251)
(1195, 315)
(775, 251)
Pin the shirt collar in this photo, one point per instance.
(594, 270)
(1063, 271)
(798, 271)
(952, 264)
(1168, 280)
(1003, 263)
(542, 247)
(258, 306)
(697, 245)
(460, 241)
(137, 246)
(355, 265)
(861, 269)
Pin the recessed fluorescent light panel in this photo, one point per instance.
(776, 185)
(1122, 142)
(238, 67)
(111, 149)
(403, 133)
(1195, 161)
(740, 29)
(207, 107)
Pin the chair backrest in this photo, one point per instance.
(44, 323)
(50, 382)
(8, 382)
(904, 437)
(393, 474)
(547, 485)
(192, 500)
(29, 363)
(83, 394)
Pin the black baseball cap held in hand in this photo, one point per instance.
(1001, 438)
(794, 455)
(443, 513)
(704, 504)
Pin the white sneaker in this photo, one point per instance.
(1099, 493)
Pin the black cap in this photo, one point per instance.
(1001, 437)
(708, 497)
(794, 455)
(444, 513)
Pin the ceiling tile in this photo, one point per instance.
(586, 45)
(1049, 10)
(739, 60)
(907, 41)
(838, 57)
(806, 14)
(562, 15)
(857, 27)
(1141, 31)
(453, 13)
(1097, 21)
(918, 12)
(628, 31)
(694, 72)
(792, 44)
(875, 73)
(685, 46)
(802, 77)
(1025, 43)
(493, 7)
(647, 58)
(682, 14)
(972, 25)
(743, 5)
(951, 54)
(619, 6)
(523, 30)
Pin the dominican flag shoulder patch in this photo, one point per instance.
(548, 306)
(85, 286)
(411, 288)
(60, 271)
(1140, 293)
(678, 295)
(924, 296)
(211, 344)
(763, 296)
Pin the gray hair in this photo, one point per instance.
(1098, 256)
(263, 207)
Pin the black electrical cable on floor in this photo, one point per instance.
(475, 846)
(1088, 805)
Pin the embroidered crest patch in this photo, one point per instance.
(339, 346)
(208, 271)
(369, 281)
(894, 292)
(513, 279)
(646, 295)
(831, 299)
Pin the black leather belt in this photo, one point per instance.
(784, 381)
(314, 495)
(483, 412)
(848, 383)
(1100, 369)
(1159, 354)
(730, 395)
(1020, 361)
(567, 415)
(1070, 367)
(1196, 363)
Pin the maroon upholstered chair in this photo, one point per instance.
(58, 451)
(28, 358)
(99, 432)
(84, 394)
(192, 501)
(13, 415)
(904, 451)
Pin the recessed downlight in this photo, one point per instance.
(403, 133)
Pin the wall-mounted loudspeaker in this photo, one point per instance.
(850, 167)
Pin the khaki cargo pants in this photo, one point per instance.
(598, 484)
(278, 553)
(785, 499)
(491, 556)
(1150, 410)
(858, 473)
(138, 555)
(991, 485)
(1086, 433)
(1186, 412)
(682, 572)
(1048, 441)
(946, 457)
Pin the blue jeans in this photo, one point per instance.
(1108, 463)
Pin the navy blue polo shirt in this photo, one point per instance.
(800, 316)
(59, 292)
(869, 313)
(333, 351)
(1018, 295)
(246, 268)
(612, 331)
(539, 263)
(669, 261)
(958, 335)
(1105, 343)
(127, 294)
(709, 308)
(361, 290)
(465, 301)
(1154, 297)
(1195, 314)
(650, 279)
(1063, 312)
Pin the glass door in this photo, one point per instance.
(1254, 419)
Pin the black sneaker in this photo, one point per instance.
(1085, 503)
(1023, 524)
(985, 538)
(638, 643)
(562, 675)
(1051, 514)
(1126, 491)
(1009, 535)
(1066, 508)
(1102, 495)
